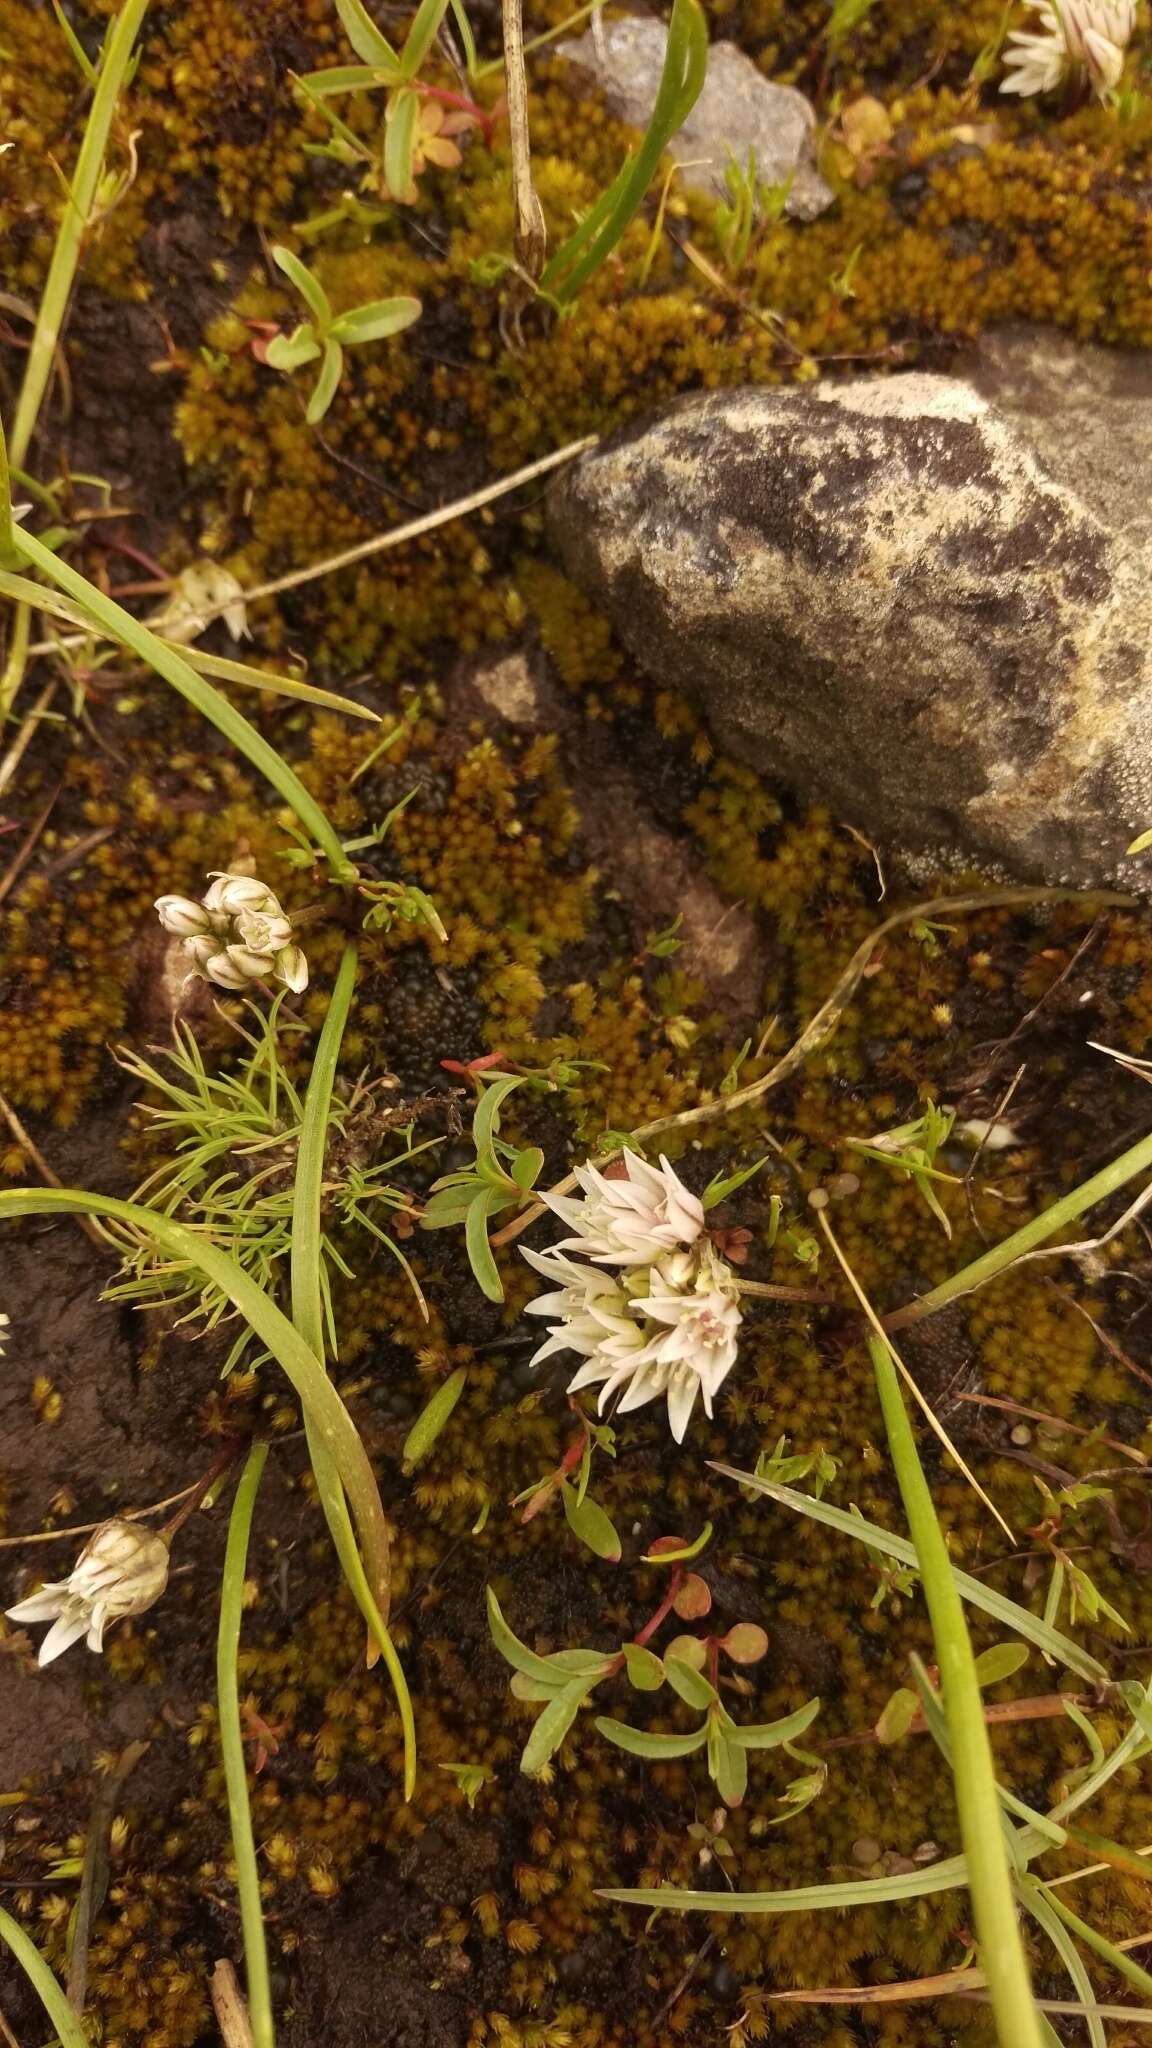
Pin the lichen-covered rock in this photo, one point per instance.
(884, 598)
(739, 109)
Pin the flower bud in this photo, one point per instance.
(233, 894)
(123, 1566)
(221, 970)
(253, 966)
(292, 969)
(179, 915)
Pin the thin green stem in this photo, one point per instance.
(989, 1876)
(115, 59)
(1068, 1210)
(370, 1588)
(68, 2028)
(232, 1749)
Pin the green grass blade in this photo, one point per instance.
(1001, 1609)
(1046, 1917)
(370, 1583)
(1125, 1965)
(68, 2028)
(232, 1749)
(685, 67)
(990, 1878)
(318, 1397)
(115, 58)
(949, 1876)
(1058, 1216)
(120, 626)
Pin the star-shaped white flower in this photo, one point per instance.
(632, 1218)
(1085, 38)
(665, 1329)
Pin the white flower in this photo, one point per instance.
(123, 1569)
(667, 1329)
(237, 934)
(1087, 38)
(631, 1220)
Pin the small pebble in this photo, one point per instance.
(866, 1851)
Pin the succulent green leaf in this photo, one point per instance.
(375, 321)
(514, 1651)
(370, 46)
(434, 1416)
(646, 1742)
(1000, 1662)
(292, 351)
(479, 1250)
(691, 1685)
(772, 1734)
(589, 1522)
(324, 389)
(421, 36)
(645, 1671)
(553, 1726)
(730, 1774)
(309, 287)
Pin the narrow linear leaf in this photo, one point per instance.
(1005, 1611)
(949, 1876)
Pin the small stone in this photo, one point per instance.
(866, 1851)
(739, 109)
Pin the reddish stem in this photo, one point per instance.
(663, 1611)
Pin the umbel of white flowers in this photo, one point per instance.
(122, 1569)
(655, 1311)
(237, 933)
(1072, 38)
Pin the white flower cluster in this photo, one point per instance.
(656, 1310)
(1084, 38)
(236, 934)
(122, 1570)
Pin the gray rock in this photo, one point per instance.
(738, 109)
(883, 597)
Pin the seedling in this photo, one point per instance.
(502, 1178)
(325, 335)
